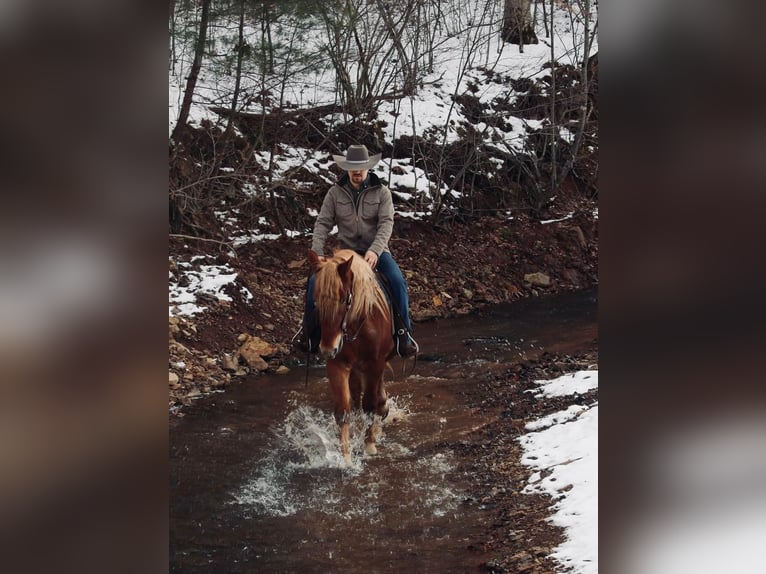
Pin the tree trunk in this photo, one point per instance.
(517, 23)
(173, 36)
(409, 81)
(554, 127)
(585, 109)
(191, 81)
(267, 45)
(240, 56)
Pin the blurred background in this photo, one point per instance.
(83, 258)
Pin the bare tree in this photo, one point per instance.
(478, 23)
(584, 109)
(375, 45)
(191, 81)
(238, 74)
(173, 36)
(267, 44)
(554, 129)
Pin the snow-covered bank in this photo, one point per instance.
(563, 447)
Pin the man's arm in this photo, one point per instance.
(323, 225)
(385, 221)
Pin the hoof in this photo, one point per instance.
(370, 448)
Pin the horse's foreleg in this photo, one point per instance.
(338, 375)
(375, 398)
(375, 404)
(371, 436)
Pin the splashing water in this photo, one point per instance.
(305, 471)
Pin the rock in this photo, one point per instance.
(176, 347)
(256, 346)
(282, 370)
(539, 279)
(253, 351)
(228, 362)
(254, 360)
(173, 379)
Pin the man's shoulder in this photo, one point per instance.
(335, 189)
(377, 184)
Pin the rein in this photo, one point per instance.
(344, 323)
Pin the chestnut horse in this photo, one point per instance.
(356, 339)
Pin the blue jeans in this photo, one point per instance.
(388, 267)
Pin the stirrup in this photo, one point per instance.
(299, 344)
(399, 334)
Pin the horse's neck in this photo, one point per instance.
(372, 299)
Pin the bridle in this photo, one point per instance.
(344, 322)
(344, 331)
(344, 319)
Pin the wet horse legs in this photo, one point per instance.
(374, 404)
(339, 384)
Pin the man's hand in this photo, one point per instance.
(372, 258)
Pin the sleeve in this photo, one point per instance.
(385, 222)
(324, 224)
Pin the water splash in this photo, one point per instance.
(304, 470)
(311, 436)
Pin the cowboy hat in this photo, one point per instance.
(357, 159)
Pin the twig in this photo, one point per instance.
(229, 244)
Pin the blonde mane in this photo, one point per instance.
(368, 296)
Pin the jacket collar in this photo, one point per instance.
(372, 181)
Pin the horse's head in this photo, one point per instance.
(333, 297)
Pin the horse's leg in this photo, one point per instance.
(375, 404)
(355, 387)
(338, 374)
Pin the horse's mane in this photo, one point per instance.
(367, 294)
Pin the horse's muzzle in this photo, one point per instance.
(332, 352)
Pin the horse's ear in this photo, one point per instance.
(344, 270)
(314, 260)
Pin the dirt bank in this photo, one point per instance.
(451, 270)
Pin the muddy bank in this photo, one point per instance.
(453, 270)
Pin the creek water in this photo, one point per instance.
(258, 484)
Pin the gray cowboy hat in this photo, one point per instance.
(357, 159)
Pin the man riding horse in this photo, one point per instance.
(362, 208)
